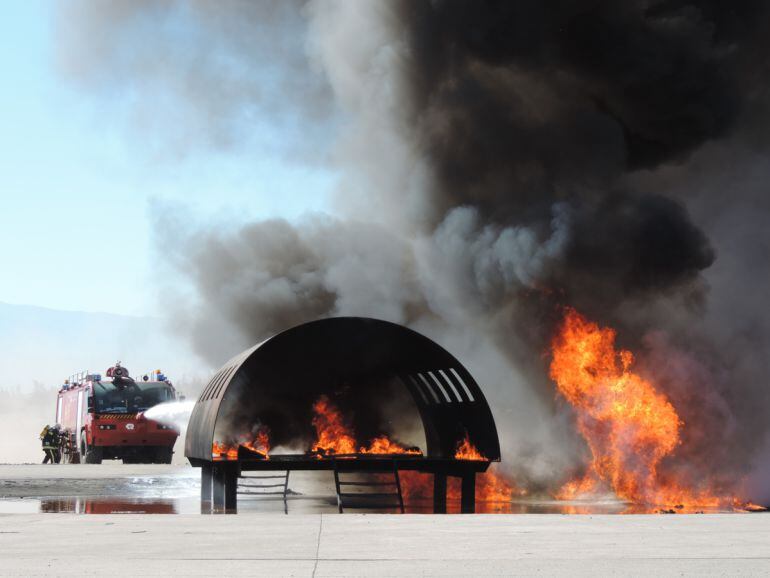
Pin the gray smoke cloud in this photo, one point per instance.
(195, 75)
(497, 161)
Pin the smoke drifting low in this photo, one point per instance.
(499, 160)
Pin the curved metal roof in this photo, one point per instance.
(362, 364)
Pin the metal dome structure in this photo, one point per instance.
(364, 364)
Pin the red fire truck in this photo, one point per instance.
(103, 418)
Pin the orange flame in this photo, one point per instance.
(467, 451)
(494, 487)
(415, 485)
(629, 425)
(260, 443)
(749, 507)
(490, 487)
(220, 451)
(384, 445)
(585, 486)
(334, 436)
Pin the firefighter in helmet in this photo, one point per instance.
(51, 439)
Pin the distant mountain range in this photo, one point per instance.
(40, 345)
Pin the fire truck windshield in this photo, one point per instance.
(132, 397)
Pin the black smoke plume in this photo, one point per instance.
(499, 160)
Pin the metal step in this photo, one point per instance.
(248, 489)
(368, 500)
(372, 506)
(368, 495)
(367, 483)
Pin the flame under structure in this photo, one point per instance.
(629, 426)
(491, 487)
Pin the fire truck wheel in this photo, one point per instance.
(90, 455)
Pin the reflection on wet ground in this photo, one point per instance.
(178, 491)
(72, 505)
(296, 505)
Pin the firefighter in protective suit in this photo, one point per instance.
(51, 438)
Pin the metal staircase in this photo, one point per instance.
(369, 499)
(255, 486)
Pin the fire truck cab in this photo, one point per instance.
(102, 418)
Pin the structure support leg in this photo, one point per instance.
(206, 488)
(468, 497)
(218, 482)
(439, 493)
(231, 489)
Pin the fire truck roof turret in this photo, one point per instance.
(117, 371)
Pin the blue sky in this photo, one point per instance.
(78, 187)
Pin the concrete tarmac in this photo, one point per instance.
(314, 540)
(384, 545)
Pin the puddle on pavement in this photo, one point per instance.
(296, 505)
(179, 494)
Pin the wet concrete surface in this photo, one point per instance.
(112, 487)
(40, 536)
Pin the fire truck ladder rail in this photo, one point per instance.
(79, 377)
(369, 500)
(245, 488)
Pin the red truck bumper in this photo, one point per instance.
(128, 430)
